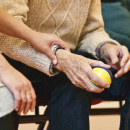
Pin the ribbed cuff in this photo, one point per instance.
(99, 47)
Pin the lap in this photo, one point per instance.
(119, 90)
(45, 85)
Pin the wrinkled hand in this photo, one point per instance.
(21, 88)
(79, 70)
(117, 56)
(43, 42)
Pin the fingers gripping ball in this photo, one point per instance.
(104, 74)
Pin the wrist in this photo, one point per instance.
(62, 57)
(30, 36)
(104, 49)
(4, 65)
(101, 47)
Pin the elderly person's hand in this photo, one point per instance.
(19, 85)
(117, 56)
(79, 70)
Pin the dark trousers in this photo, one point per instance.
(119, 90)
(69, 106)
(9, 122)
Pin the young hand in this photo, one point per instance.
(43, 42)
(19, 85)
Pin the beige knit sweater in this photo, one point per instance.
(77, 22)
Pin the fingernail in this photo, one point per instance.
(54, 61)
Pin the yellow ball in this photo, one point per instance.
(104, 74)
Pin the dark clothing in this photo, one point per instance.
(116, 17)
(9, 122)
(119, 90)
(69, 106)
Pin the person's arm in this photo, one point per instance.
(93, 34)
(40, 41)
(94, 37)
(19, 85)
(18, 49)
(79, 70)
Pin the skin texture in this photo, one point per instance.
(42, 42)
(79, 69)
(117, 57)
(19, 85)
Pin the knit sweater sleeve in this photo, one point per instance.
(93, 34)
(18, 49)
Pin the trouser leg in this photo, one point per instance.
(125, 112)
(69, 108)
(69, 105)
(119, 90)
(9, 122)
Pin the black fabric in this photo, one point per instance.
(69, 106)
(9, 122)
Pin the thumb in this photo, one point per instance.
(51, 56)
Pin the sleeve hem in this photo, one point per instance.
(102, 44)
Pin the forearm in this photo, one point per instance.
(62, 56)
(11, 26)
(4, 65)
(93, 33)
(3, 62)
(21, 51)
